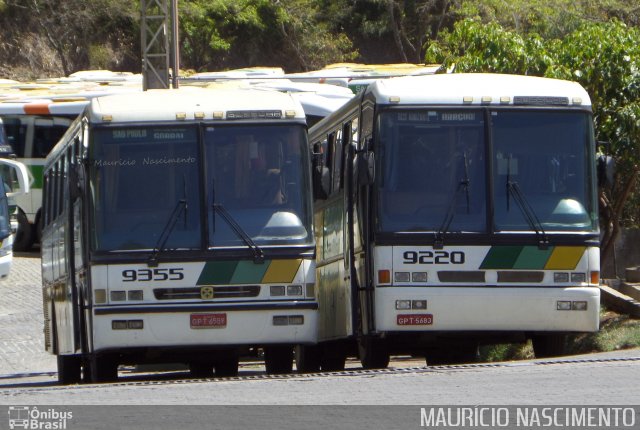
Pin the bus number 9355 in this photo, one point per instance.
(145, 275)
(433, 257)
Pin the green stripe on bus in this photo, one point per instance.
(38, 172)
(217, 272)
(501, 257)
(533, 258)
(248, 272)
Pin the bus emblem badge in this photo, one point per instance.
(206, 293)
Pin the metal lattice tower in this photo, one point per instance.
(159, 30)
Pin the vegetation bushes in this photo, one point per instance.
(594, 43)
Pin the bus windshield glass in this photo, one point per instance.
(547, 158)
(432, 169)
(139, 175)
(257, 176)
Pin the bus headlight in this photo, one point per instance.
(294, 290)
(403, 304)
(277, 290)
(100, 296)
(579, 306)
(311, 291)
(419, 277)
(402, 276)
(578, 277)
(560, 277)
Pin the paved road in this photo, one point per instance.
(21, 321)
(27, 374)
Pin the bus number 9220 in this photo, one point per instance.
(433, 257)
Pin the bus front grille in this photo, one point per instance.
(226, 292)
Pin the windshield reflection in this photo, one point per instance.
(433, 171)
(137, 176)
(547, 155)
(258, 176)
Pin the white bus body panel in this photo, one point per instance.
(490, 305)
(244, 326)
(167, 330)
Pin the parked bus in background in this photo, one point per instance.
(35, 116)
(178, 228)
(451, 211)
(14, 181)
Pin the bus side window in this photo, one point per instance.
(337, 155)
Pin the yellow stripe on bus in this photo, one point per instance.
(565, 257)
(281, 271)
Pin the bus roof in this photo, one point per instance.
(192, 104)
(479, 89)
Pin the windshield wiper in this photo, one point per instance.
(438, 243)
(258, 255)
(513, 189)
(181, 206)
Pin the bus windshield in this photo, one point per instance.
(139, 175)
(434, 171)
(432, 166)
(148, 190)
(547, 157)
(257, 175)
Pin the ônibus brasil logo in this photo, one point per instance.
(32, 418)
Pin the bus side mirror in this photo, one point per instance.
(321, 182)
(321, 177)
(366, 166)
(606, 167)
(76, 175)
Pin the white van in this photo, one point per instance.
(14, 181)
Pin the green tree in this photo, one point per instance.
(603, 57)
(240, 33)
(388, 30)
(70, 30)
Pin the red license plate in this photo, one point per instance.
(415, 319)
(208, 320)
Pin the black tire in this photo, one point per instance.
(23, 239)
(201, 370)
(454, 354)
(333, 357)
(104, 368)
(549, 345)
(69, 369)
(278, 359)
(38, 228)
(307, 359)
(374, 353)
(227, 365)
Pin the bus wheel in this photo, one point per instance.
(550, 345)
(24, 236)
(307, 359)
(200, 369)
(373, 353)
(333, 357)
(227, 365)
(278, 359)
(69, 369)
(104, 368)
(455, 354)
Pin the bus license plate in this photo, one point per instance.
(419, 319)
(208, 320)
